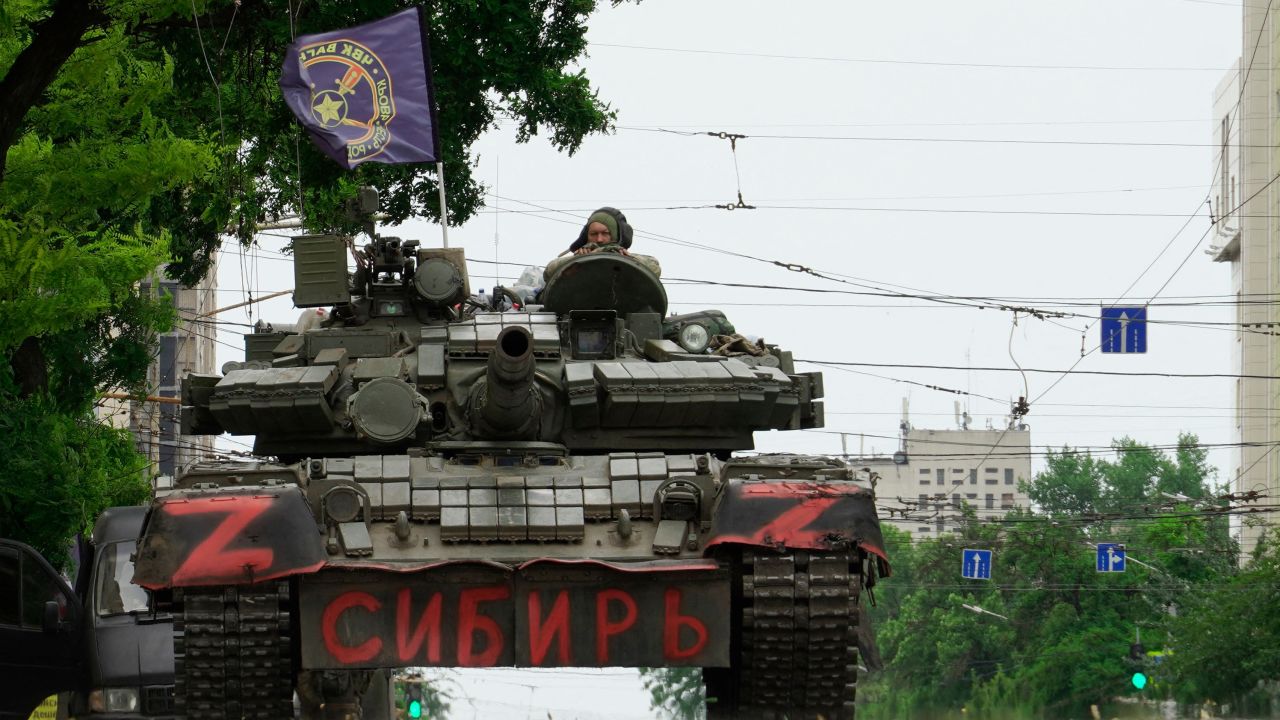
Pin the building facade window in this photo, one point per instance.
(991, 501)
(973, 476)
(942, 476)
(1008, 476)
(1006, 500)
(1224, 157)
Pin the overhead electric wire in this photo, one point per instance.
(932, 140)
(1052, 301)
(1104, 416)
(1019, 450)
(885, 289)
(895, 198)
(1242, 203)
(1215, 300)
(893, 61)
(1189, 217)
(1219, 163)
(736, 123)
(951, 300)
(757, 205)
(922, 366)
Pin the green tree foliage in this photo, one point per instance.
(1065, 643)
(677, 692)
(72, 321)
(137, 132)
(1226, 640)
(170, 115)
(61, 470)
(86, 157)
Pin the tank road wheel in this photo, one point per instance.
(797, 655)
(232, 652)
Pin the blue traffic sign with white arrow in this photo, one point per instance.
(1124, 330)
(1110, 558)
(976, 564)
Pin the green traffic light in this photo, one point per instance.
(415, 709)
(1139, 680)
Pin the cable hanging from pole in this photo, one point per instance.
(733, 139)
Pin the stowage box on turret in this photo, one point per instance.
(464, 482)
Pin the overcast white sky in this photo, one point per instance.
(1046, 218)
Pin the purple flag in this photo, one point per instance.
(364, 93)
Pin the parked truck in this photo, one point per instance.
(100, 642)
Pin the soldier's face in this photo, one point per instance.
(598, 234)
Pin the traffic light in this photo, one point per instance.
(1137, 660)
(413, 697)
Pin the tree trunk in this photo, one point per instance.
(29, 368)
(52, 42)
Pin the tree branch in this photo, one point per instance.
(53, 40)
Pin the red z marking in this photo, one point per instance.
(211, 561)
(329, 628)
(788, 528)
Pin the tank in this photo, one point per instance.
(467, 480)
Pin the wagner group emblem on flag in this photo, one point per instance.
(350, 96)
(364, 93)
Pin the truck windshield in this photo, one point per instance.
(115, 593)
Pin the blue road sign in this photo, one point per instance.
(1124, 329)
(1110, 557)
(976, 564)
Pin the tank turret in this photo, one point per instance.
(406, 358)
(467, 480)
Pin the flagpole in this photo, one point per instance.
(444, 208)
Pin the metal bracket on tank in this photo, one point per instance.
(676, 493)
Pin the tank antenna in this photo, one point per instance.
(444, 207)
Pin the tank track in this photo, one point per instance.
(232, 652)
(799, 644)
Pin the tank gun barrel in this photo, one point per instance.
(507, 404)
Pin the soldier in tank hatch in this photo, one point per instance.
(606, 226)
(606, 230)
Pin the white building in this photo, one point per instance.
(1245, 198)
(922, 486)
(188, 348)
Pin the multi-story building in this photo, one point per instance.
(923, 486)
(1245, 200)
(188, 348)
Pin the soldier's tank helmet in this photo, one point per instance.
(622, 236)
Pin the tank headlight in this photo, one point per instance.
(120, 699)
(694, 338)
(342, 504)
